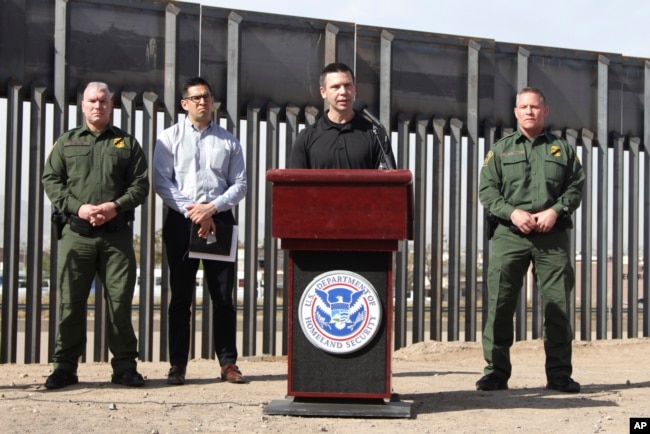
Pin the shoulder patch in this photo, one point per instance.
(556, 151)
(488, 157)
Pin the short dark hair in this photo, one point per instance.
(532, 90)
(334, 67)
(196, 81)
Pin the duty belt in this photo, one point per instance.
(83, 227)
(563, 222)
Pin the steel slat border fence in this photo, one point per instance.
(447, 99)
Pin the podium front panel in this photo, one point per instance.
(314, 372)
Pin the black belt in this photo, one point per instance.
(563, 222)
(83, 227)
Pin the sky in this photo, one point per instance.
(602, 26)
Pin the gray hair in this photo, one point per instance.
(100, 85)
(532, 90)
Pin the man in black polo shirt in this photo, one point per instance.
(339, 139)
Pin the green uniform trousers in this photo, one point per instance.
(111, 257)
(510, 257)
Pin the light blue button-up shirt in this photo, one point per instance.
(190, 167)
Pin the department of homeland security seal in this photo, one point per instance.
(340, 312)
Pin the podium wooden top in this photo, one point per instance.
(341, 205)
(339, 176)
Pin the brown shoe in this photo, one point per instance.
(231, 374)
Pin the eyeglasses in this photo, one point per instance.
(197, 98)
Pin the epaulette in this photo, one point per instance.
(507, 136)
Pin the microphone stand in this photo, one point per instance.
(382, 137)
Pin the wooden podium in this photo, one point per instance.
(341, 228)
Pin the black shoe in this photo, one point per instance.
(130, 378)
(563, 384)
(60, 378)
(176, 375)
(491, 382)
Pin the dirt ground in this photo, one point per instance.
(435, 378)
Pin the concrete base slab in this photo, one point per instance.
(343, 407)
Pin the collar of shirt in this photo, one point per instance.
(195, 129)
(325, 123)
(110, 128)
(543, 137)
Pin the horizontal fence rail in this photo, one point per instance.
(445, 99)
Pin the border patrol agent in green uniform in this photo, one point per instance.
(96, 175)
(531, 182)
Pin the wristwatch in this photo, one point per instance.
(118, 206)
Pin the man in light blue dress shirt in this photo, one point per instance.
(200, 174)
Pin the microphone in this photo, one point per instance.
(360, 107)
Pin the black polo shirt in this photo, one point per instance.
(327, 145)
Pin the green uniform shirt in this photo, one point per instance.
(532, 175)
(85, 168)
